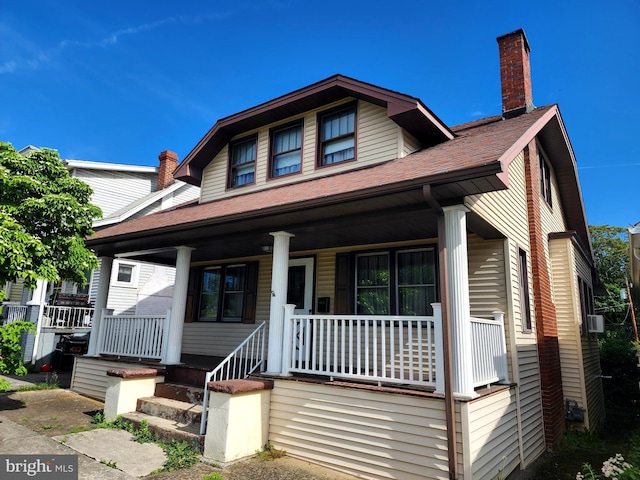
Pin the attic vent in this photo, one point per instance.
(595, 323)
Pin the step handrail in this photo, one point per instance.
(236, 366)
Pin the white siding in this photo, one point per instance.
(113, 190)
(377, 141)
(374, 435)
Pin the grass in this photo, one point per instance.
(269, 452)
(620, 434)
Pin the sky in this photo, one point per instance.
(121, 81)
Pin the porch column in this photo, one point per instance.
(101, 302)
(173, 343)
(279, 277)
(455, 218)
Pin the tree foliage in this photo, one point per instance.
(611, 252)
(44, 217)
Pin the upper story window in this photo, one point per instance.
(545, 178)
(286, 150)
(242, 162)
(337, 136)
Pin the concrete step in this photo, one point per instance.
(168, 430)
(186, 375)
(180, 412)
(181, 392)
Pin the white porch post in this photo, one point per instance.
(279, 277)
(101, 302)
(173, 342)
(456, 242)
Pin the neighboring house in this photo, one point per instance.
(122, 192)
(425, 288)
(634, 256)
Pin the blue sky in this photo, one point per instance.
(120, 81)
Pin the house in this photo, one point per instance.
(421, 290)
(122, 192)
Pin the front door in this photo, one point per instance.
(300, 285)
(300, 293)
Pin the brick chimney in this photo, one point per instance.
(168, 163)
(515, 74)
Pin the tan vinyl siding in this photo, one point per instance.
(374, 435)
(221, 338)
(493, 433)
(595, 413)
(507, 211)
(89, 375)
(567, 297)
(377, 141)
(409, 144)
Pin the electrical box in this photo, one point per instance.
(595, 323)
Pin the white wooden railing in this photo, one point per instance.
(12, 313)
(140, 336)
(247, 358)
(67, 317)
(389, 349)
(489, 350)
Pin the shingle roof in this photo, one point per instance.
(488, 143)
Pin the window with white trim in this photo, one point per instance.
(124, 274)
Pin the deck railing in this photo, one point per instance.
(489, 350)
(12, 313)
(247, 358)
(389, 349)
(140, 336)
(67, 317)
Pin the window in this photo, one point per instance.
(224, 293)
(242, 162)
(525, 301)
(409, 274)
(586, 303)
(545, 178)
(286, 150)
(337, 136)
(124, 274)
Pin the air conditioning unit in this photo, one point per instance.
(595, 323)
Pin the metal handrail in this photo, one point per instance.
(235, 366)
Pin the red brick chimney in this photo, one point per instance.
(515, 74)
(168, 163)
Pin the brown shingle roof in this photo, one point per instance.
(488, 143)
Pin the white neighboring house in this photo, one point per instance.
(123, 192)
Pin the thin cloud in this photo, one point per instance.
(46, 56)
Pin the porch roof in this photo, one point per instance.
(474, 162)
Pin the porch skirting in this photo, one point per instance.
(386, 434)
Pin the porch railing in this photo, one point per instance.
(243, 361)
(12, 313)
(133, 336)
(67, 317)
(390, 349)
(489, 350)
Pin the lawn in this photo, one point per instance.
(619, 434)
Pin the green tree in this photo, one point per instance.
(44, 217)
(611, 252)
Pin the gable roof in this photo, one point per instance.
(475, 161)
(408, 112)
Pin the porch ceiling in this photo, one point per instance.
(389, 218)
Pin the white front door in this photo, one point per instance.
(300, 285)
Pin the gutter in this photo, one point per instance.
(452, 443)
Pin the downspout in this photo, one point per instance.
(443, 280)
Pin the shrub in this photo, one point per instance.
(10, 349)
(619, 361)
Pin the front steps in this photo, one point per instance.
(174, 412)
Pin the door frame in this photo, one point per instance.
(309, 282)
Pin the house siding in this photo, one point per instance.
(493, 434)
(89, 376)
(377, 141)
(129, 185)
(374, 435)
(507, 211)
